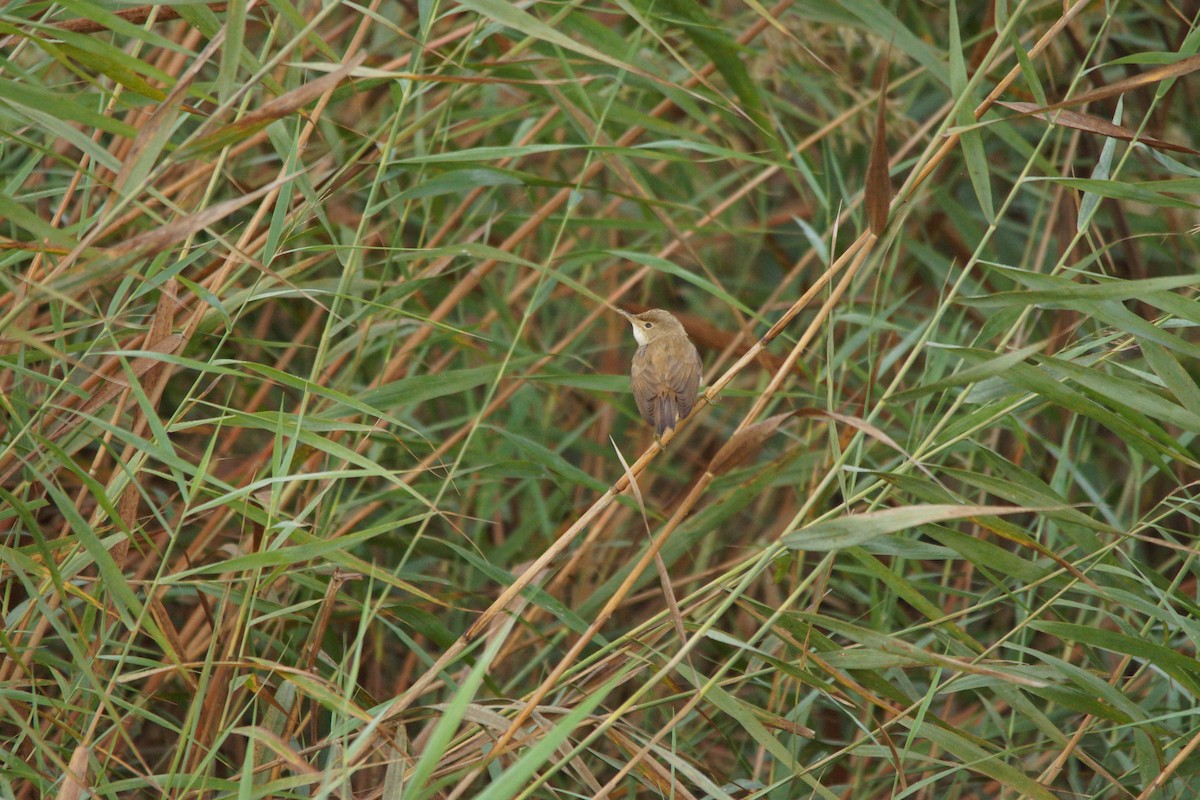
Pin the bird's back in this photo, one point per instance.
(665, 378)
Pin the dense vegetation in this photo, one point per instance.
(319, 470)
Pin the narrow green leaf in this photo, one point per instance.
(879, 20)
(991, 364)
(1132, 428)
(1101, 172)
(982, 761)
(116, 65)
(452, 714)
(1028, 71)
(39, 229)
(1119, 190)
(1173, 375)
(512, 16)
(540, 454)
(1067, 291)
(102, 13)
(62, 107)
(457, 182)
(514, 780)
(409, 392)
(231, 49)
(1122, 393)
(1179, 666)
(857, 529)
(971, 137)
(716, 43)
(671, 268)
(306, 549)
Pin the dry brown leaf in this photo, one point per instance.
(1147, 78)
(289, 102)
(634, 489)
(116, 383)
(284, 105)
(745, 444)
(855, 422)
(165, 236)
(1090, 124)
(781, 724)
(175, 651)
(663, 576)
(152, 385)
(273, 743)
(138, 15)
(878, 192)
(75, 780)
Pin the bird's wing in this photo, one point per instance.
(664, 387)
(684, 380)
(645, 385)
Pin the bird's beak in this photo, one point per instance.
(625, 314)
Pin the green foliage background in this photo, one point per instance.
(316, 439)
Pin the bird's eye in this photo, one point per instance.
(649, 325)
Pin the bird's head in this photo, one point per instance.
(652, 324)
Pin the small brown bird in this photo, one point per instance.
(666, 369)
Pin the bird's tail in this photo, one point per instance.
(666, 413)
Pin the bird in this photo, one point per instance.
(665, 373)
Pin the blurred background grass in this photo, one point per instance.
(313, 416)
